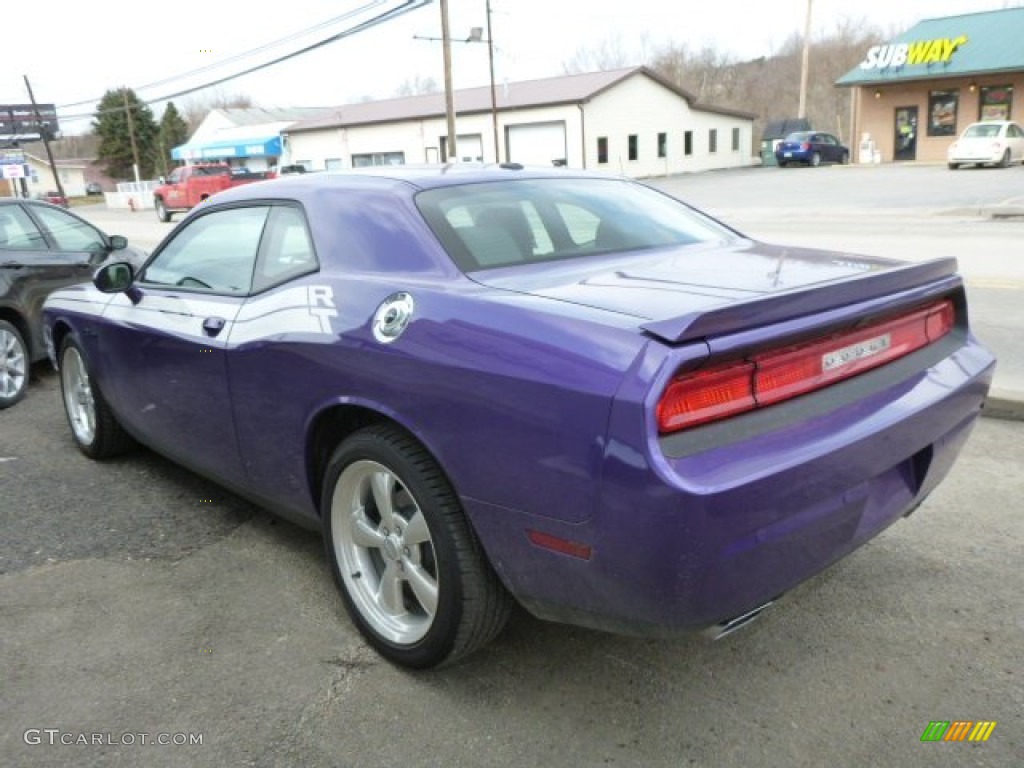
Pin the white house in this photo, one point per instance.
(40, 179)
(243, 136)
(627, 121)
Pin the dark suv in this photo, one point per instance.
(42, 248)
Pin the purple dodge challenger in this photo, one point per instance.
(487, 384)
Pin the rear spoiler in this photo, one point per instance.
(787, 305)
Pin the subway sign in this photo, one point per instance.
(938, 51)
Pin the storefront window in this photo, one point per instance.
(942, 112)
(995, 102)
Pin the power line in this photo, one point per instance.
(408, 5)
(238, 56)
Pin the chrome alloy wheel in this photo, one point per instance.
(13, 364)
(385, 552)
(78, 396)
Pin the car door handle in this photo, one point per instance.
(213, 325)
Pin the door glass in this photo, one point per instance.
(906, 133)
(70, 233)
(18, 232)
(215, 252)
(287, 249)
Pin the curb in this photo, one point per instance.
(1004, 404)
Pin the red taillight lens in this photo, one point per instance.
(771, 377)
(706, 396)
(805, 146)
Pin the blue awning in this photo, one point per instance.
(267, 146)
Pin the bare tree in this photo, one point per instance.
(769, 87)
(417, 85)
(195, 109)
(610, 53)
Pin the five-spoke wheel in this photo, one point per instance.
(14, 365)
(411, 572)
(93, 425)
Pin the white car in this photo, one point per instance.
(1000, 142)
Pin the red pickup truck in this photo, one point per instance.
(187, 187)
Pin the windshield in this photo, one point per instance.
(504, 223)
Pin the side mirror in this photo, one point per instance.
(118, 242)
(115, 277)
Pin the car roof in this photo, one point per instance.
(412, 178)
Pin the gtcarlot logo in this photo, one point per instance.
(55, 736)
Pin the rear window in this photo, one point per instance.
(505, 223)
(982, 131)
(799, 136)
(214, 170)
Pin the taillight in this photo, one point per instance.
(716, 393)
(722, 391)
(805, 146)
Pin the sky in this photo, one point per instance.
(95, 46)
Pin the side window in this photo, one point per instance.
(18, 232)
(215, 252)
(287, 249)
(69, 233)
(175, 176)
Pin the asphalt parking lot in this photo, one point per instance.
(140, 599)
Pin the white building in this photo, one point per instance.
(241, 136)
(627, 121)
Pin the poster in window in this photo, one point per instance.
(942, 113)
(995, 102)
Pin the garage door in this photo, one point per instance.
(536, 143)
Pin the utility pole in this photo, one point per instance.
(449, 98)
(131, 134)
(802, 111)
(44, 137)
(494, 96)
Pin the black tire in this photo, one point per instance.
(815, 160)
(844, 159)
(104, 437)
(953, 166)
(15, 365)
(1005, 162)
(468, 605)
(162, 213)
(783, 163)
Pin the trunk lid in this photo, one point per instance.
(693, 292)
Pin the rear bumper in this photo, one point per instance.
(686, 543)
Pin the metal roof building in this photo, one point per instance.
(629, 121)
(916, 93)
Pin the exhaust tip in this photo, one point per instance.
(729, 626)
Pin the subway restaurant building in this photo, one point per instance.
(914, 95)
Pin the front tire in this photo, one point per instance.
(953, 166)
(14, 365)
(161, 210)
(412, 575)
(93, 425)
(844, 159)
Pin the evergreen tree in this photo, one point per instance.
(111, 125)
(173, 132)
